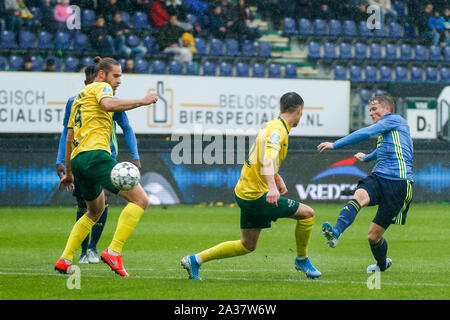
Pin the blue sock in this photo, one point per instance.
(97, 229)
(84, 245)
(347, 215)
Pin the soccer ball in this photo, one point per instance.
(125, 176)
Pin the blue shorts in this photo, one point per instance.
(393, 198)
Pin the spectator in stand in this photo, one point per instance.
(14, 21)
(446, 18)
(109, 8)
(100, 39)
(176, 8)
(169, 40)
(119, 31)
(436, 25)
(249, 27)
(27, 64)
(47, 21)
(270, 10)
(50, 66)
(230, 16)
(129, 66)
(158, 14)
(423, 18)
(358, 11)
(386, 9)
(217, 25)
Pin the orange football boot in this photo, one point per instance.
(115, 262)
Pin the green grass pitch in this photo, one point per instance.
(32, 239)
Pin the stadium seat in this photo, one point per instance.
(248, 48)
(209, 68)
(264, 49)
(431, 74)
(335, 28)
(87, 18)
(385, 74)
(401, 74)
(355, 73)
(314, 50)
(274, 70)
(175, 67)
(375, 51)
(141, 66)
(370, 74)
(409, 31)
(390, 52)
(122, 62)
(200, 45)
(329, 50)
(290, 71)
(126, 19)
(395, 30)
(72, 64)
(360, 51)
(87, 61)
(26, 40)
(340, 72)
(365, 95)
(380, 32)
(225, 69)
(45, 40)
(259, 71)
(62, 40)
(38, 65)
(445, 75)
(320, 27)
(158, 67)
(399, 7)
(416, 74)
(140, 20)
(192, 68)
(2, 63)
(149, 43)
(349, 28)
(15, 62)
(345, 51)
(421, 52)
(215, 47)
(56, 60)
(447, 53)
(242, 69)
(133, 40)
(364, 32)
(8, 40)
(405, 52)
(435, 53)
(232, 47)
(304, 27)
(80, 42)
(289, 26)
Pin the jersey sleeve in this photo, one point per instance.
(272, 146)
(360, 135)
(102, 91)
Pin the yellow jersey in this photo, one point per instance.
(271, 142)
(92, 125)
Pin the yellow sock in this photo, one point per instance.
(224, 250)
(128, 219)
(303, 231)
(79, 232)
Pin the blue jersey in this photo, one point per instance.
(394, 152)
(119, 117)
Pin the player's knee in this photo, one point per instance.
(373, 238)
(142, 202)
(304, 212)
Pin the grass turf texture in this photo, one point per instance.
(32, 239)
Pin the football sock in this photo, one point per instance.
(97, 229)
(223, 250)
(84, 245)
(79, 232)
(379, 251)
(303, 231)
(128, 219)
(347, 215)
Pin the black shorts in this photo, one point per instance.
(393, 198)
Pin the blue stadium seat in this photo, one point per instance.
(365, 95)
(215, 47)
(431, 74)
(370, 74)
(192, 18)
(435, 53)
(409, 31)
(405, 52)
(15, 62)
(38, 65)
(232, 47)
(355, 73)
(200, 45)
(399, 7)
(380, 33)
(385, 74)
(416, 74)
(259, 71)
(8, 40)
(447, 53)
(242, 69)
(62, 40)
(335, 28)
(320, 27)
(192, 68)
(395, 30)
(141, 66)
(363, 30)
(36, 11)
(209, 68)
(390, 52)
(126, 19)
(122, 62)
(133, 40)
(401, 74)
(225, 69)
(304, 27)
(329, 50)
(360, 51)
(140, 20)
(248, 48)
(421, 52)
(445, 75)
(274, 70)
(2, 63)
(290, 71)
(80, 42)
(86, 61)
(149, 43)
(264, 49)
(72, 64)
(349, 27)
(345, 51)
(56, 60)
(314, 50)
(26, 40)
(158, 67)
(289, 27)
(87, 18)
(45, 40)
(175, 67)
(375, 51)
(379, 91)
(340, 72)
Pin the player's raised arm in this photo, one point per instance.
(115, 105)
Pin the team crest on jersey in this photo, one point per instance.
(275, 138)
